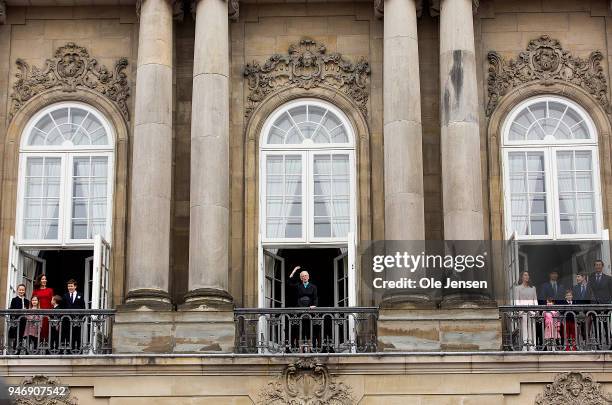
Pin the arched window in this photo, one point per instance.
(66, 167)
(551, 171)
(307, 174)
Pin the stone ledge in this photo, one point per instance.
(174, 332)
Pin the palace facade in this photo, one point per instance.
(178, 159)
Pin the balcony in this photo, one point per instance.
(56, 332)
(556, 328)
(306, 330)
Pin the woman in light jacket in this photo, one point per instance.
(525, 294)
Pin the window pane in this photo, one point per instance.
(538, 205)
(536, 183)
(586, 223)
(34, 167)
(583, 160)
(89, 196)
(41, 198)
(535, 162)
(585, 202)
(576, 192)
(538, 226)
(283, 196)
(322, 227)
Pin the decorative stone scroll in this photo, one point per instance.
(69, 70)
(546, 61)
(308, 65)
(2, 12)
(306, 382)
(49, 388)
(573, 389)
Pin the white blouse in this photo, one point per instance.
(525, 295)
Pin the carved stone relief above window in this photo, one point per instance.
(573, 389)
(308, 65)
(306, 382)
(547, 62)
(71, 69)
(46, 391)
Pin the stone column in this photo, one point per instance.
(404, 208)
(460, 143)
(461, 155)
(209, 200)
(150, 194)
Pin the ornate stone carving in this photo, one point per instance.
(306, 382)
(379, 8)
(546, 61)
(52, 392)
(70, 69)
(233, 9)
(573, 389)
(308, 65)
(2, 11)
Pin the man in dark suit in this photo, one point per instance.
(601, 284)
(19, 302)
(551, 288)
(583, 294)
(73, 300)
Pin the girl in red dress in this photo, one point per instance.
(44, 294)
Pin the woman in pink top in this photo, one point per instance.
(552, 326)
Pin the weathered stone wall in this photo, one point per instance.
(511, 379)
(507, 27)
(33, 34)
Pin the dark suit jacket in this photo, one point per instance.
(546, 290)
(602, 290)
(16, 303)
(79, 302)
(579, 297)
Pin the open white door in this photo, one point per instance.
(341, 275)
(274, 275)
(89, 277)
(14, 272)
(23, 268)
(100, 294)
(32, 266)
(511, 265)
(344, 290)
(605, 251)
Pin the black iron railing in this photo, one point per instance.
(556, 327)
(306, 330)
(56, 332)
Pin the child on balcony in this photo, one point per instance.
(551, 326)
(33, 326)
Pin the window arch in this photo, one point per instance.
(307, 174)
(65, 176)
(551, 170)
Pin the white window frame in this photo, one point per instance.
(307, 151)
(550, 147)
(67, 155)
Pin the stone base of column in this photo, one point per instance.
(465, 301)
(147, 299)
(173, 332)
(208, 298)
(420, 330)
(407, 300)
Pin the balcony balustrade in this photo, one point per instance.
(556, 328)
(306, 330)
